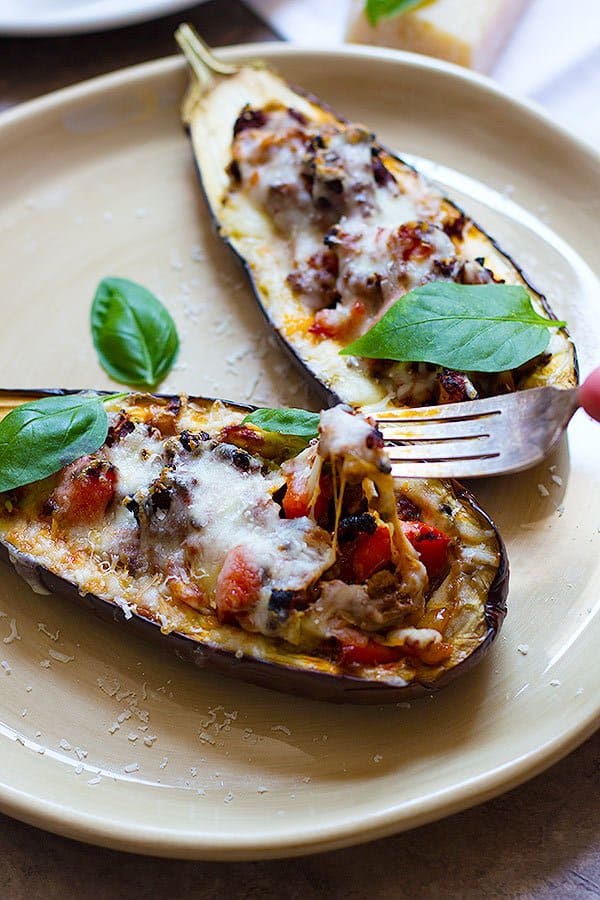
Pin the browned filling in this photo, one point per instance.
(328, 191)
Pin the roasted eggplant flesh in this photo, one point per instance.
(333, 229)
(309, 570)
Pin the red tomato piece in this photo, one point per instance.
(370, 654)
(371, 552)
(238, 585)
(86, 488)
(296, 500)
(338, 323)
(430, 543)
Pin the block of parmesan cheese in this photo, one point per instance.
(468, 32)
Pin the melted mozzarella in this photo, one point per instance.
(138, 458)
(342, 433)
(229, 508)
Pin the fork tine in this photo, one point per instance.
(466, 468)
(443, 450)
(477, 438)
(475, 409)
(426, 430)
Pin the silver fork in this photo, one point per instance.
(479, 437)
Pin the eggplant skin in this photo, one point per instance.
(214, 109)
(295, 672)
(274, 676)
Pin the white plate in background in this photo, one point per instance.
(51, 17)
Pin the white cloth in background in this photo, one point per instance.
(553, 56)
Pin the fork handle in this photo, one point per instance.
(589, 395)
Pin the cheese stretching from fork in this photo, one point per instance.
(468, 32)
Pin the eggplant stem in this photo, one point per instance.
(200, 57)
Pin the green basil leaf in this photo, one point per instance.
(376, 10)
(470, 328)
(134, 335)
(39, 438)
(297, 422)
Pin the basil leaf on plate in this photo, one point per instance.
(376, 10)
(134, 334)
(40, 437)
(470, 328)
(295, 422)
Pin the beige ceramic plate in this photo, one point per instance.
(107, 739)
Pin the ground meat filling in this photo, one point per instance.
(312, 548)
(358, 242)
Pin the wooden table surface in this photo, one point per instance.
(541, 840)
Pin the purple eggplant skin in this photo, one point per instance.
(336, 688)
(328, 396)
(341, 688)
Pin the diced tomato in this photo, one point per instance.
(86, 488)
(370, 654)
(412, 241)
(374, 654)
(431, 655)
(371, 552)
(296, 500)
(238, 585)
(430, 543)
(338, 323)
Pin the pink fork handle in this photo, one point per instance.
(589, 395)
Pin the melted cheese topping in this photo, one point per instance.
(359, 230)
(343, 434)
(178, 513)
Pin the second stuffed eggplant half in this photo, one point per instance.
(295, 563)
(334, 229)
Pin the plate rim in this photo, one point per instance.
(84, 825)
(48, 25)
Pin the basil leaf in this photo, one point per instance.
(134, 335)
(39, 438)
(470, 328)
(296, 422)
(376, 10)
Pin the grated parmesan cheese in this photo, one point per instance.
(14, 634)
(45, 630)
(60, 657)
(282, 728)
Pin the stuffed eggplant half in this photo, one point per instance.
(296, 564)
(334, 229)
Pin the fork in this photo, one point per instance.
(479, 438)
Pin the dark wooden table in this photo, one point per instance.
(539, 841)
